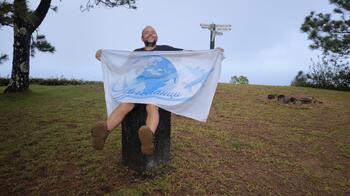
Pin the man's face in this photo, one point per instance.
(149, 36)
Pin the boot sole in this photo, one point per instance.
(146, 139)
(98, 135)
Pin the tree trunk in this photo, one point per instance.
(25, 23)
(20, 64)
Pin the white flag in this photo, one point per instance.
(182, 82)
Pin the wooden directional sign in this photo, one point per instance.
(211, 27)
(222, 28)
(227, 26)
(215, 30)
(204, 26)
(207, 26)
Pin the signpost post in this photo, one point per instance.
(215, 30)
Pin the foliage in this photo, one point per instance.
(6, 13)
(329, 33)
(108, 3)
(3, 57)
(40, 43)
(4, 81)
(300, 80)
(330, 73)
(325, 73)
(52, 81)
(239, 80)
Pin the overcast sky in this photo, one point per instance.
(265, 43)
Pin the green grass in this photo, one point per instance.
(248, 146)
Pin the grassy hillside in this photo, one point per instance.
(248, 146)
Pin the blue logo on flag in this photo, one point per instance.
(159, 73)
(158, 77)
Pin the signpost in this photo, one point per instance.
(215, 30)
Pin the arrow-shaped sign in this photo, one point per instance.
(223, 26)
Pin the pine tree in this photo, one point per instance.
(330, 33)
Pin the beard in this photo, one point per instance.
(150, 44)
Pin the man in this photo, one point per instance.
(103, 128)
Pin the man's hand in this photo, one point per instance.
(221, 49)
(98, 54)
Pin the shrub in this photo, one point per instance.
(51, 81)
(239, 80)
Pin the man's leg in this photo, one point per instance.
(102, 129)
(152, 117)
(146, 133)
(118, 115)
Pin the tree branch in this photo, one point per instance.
(39, 14)
(108, 3)
(3, 57)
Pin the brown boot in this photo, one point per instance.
(99, 134)
(146, 139)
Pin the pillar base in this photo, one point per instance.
(132, 156)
